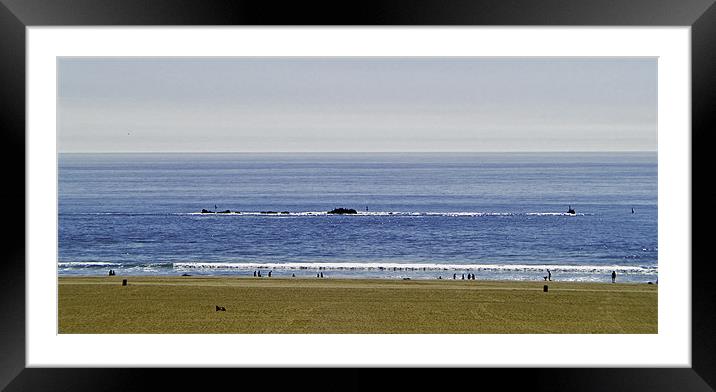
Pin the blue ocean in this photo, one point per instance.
(418, 215)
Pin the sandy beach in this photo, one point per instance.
(161, 304)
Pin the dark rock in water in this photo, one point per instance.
(269, 212)
(224, 212)
(343, 211)
(571, 210)
(205, 211)
(285, 212)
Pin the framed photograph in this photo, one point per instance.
(471, 186)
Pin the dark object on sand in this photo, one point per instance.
(342, 211)
(545, 288)
(185, 275)
(220, 308)
(571, 210)
(649, 282)
(124, 282)
(406, 278)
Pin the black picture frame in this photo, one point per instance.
(16, 15)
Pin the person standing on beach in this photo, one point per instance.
(549, 276)
(614, 276)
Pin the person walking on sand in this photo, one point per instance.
(454, 276)
(614, 276)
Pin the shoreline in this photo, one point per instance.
(171, 304)
(229, 277)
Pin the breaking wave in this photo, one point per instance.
(386, 213)
(648, 270)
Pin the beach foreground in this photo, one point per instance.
(278, 305)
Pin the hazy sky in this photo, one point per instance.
(356, 104)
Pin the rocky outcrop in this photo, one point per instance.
(342, 211)
(205, 211)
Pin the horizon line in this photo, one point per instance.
(354, 152)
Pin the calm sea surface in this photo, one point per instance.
(497, 215)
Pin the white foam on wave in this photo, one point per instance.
(71, 264)
(418, 267)
(387, 213)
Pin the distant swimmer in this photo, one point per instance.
(366, 208)
(570, 210)
(632, 210)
